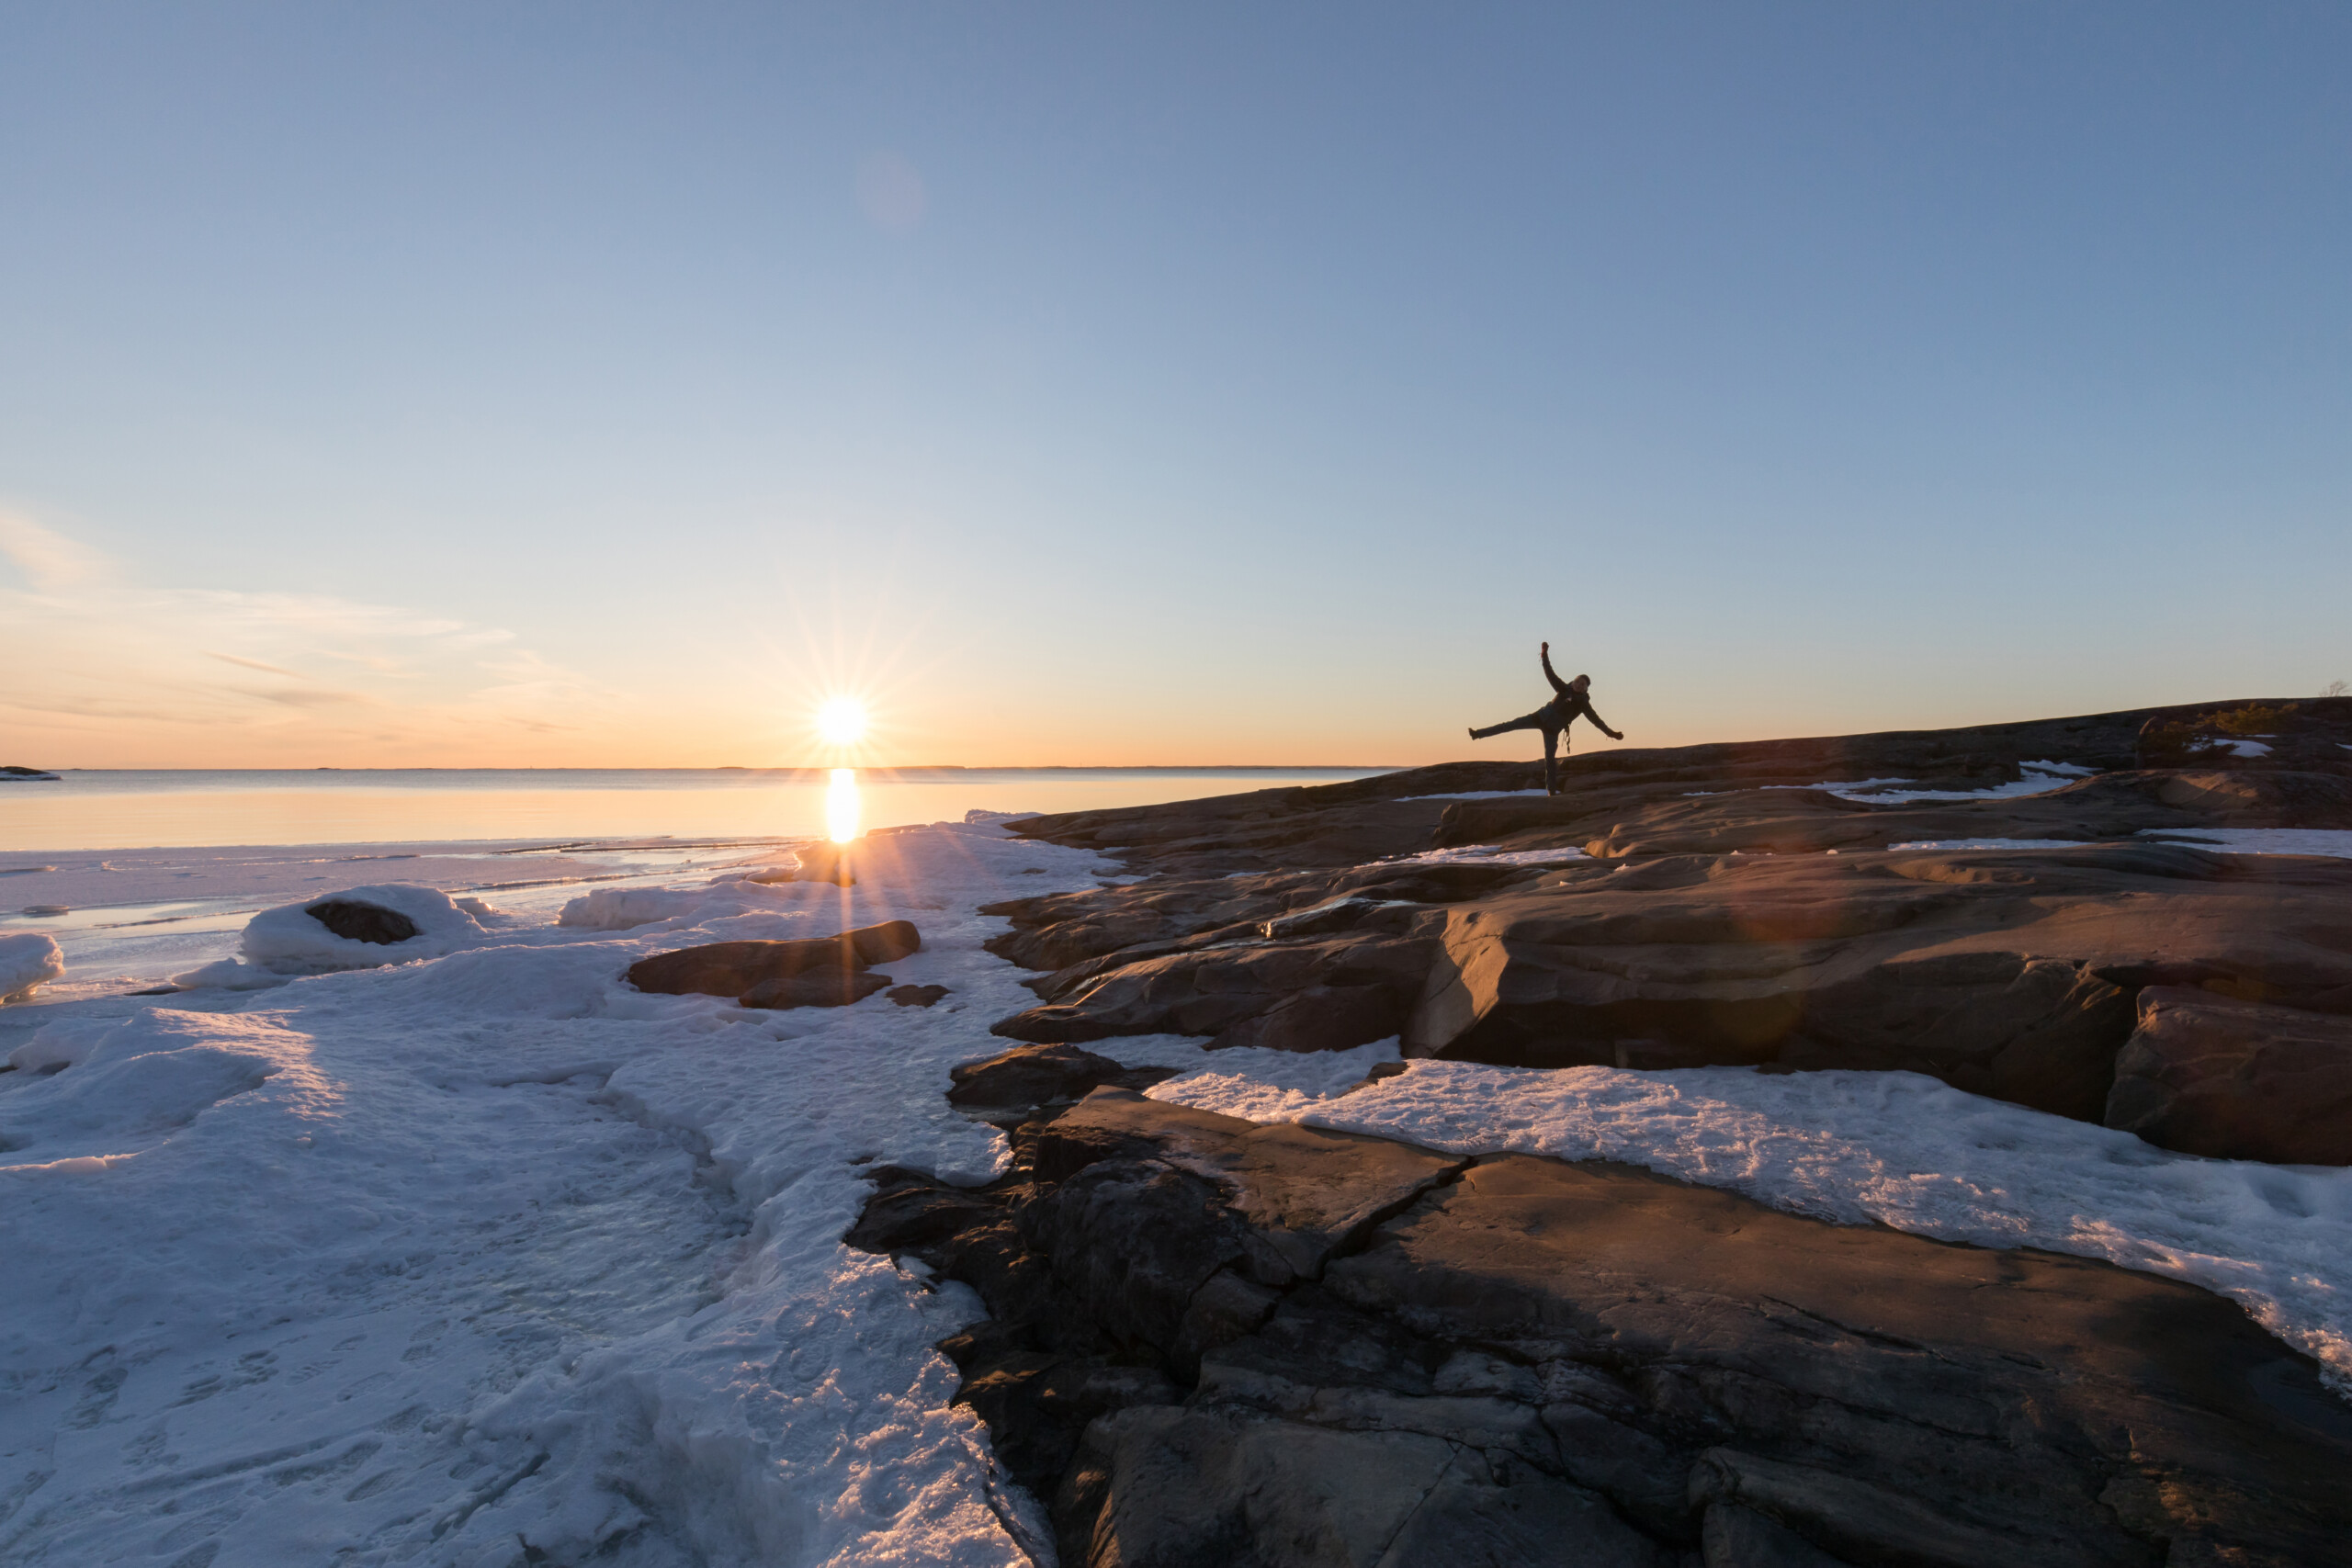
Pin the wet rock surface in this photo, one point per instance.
(1698, 906)
(1211, 1342)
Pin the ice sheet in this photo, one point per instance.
(1897, 1149)
(438, 1262)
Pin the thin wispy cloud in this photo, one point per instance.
(90, 649)
(252, 664)
(44, 558)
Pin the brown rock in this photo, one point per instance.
(2234, 1079)
(814, 988)
(1328, 992)
(917, 995)
(1313, 1350)
(733, 968)
(1024, 1080)
(2005, 973)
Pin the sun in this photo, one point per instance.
(841, 721)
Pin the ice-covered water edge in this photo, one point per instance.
(1897, 1149)
(772, 1395)
(788, 1406)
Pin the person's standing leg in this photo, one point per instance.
(1551, 760)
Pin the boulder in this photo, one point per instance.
(1021, 1082)
(1213, 1342)
(733, 968)
(830, 988)
(357, 921)
(2236, 1079)
(917, 995)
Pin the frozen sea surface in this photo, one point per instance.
(490, 1254)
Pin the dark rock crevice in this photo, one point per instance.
(1211, 1342)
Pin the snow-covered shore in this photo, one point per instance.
(489, 1255)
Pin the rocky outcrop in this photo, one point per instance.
(2222, 1076)
(1330, 825)
(2005, 973)
(1799, 821)
(16, 774)
(1216, 1343)
(819, 971)
(2009, 973)
(1301, 995)
(1701, 911)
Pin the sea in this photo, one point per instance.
(142, 873)
(115, 809)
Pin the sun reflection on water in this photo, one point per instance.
(841, 805)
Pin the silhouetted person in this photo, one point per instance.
(1553, 718)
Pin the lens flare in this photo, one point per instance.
(841, 721)
(841, 805)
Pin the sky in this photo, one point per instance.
(579, 384)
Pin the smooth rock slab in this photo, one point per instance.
(733, 968)
(2236, 1079)
(1213, 1342)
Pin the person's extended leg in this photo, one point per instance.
(1529, 721)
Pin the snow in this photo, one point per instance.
(1988, 844)
(28, 959)
(2246, 748)
(2335, 841)
(1480, 854)
(288, 939)
(438, 1261)
(1475, 795)
(463, 1258)
(1894, 1148)
(2039, 778)
(621, 908)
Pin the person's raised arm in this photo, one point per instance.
(1557, 685)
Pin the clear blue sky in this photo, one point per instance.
(581, 383)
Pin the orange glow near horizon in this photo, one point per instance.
(842, 806)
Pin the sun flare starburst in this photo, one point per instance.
(841, 721)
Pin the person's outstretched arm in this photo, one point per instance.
(1603, 724)
(1557, 685)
